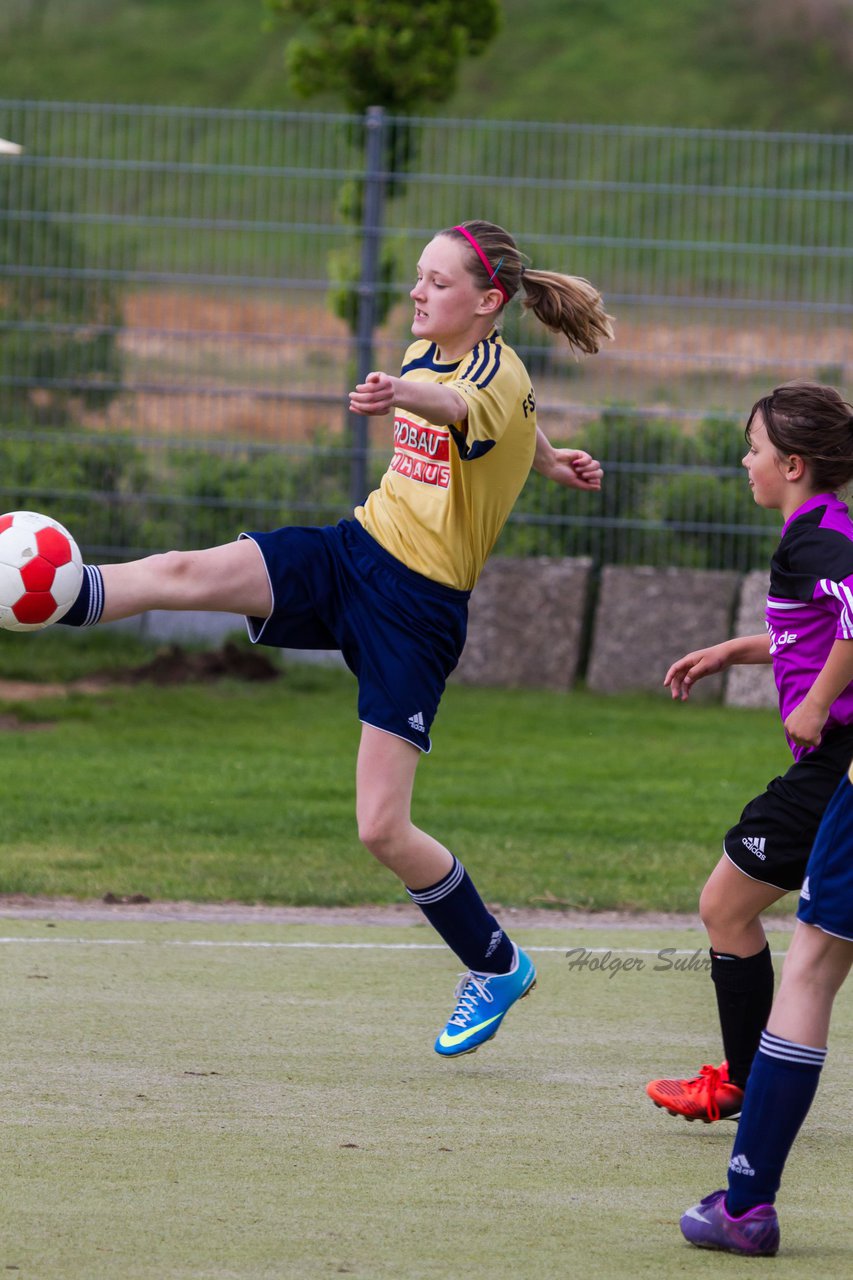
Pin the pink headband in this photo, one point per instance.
(485, 261)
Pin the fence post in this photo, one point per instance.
(371, 240)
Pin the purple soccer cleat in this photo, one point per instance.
(709, 1225)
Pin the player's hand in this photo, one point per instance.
(684, 673)
(576, 469)
(374, 397)
(805, 723)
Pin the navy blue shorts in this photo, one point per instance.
(774, 837)
(826, 898)
(401, 634)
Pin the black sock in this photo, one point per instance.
(744, 997)
(456, 911)
(89, 605)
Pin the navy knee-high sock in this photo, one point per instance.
(89, 605)
(780, 1091)
(744, 988)
(456, 911)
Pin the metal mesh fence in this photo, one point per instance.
(187, 295)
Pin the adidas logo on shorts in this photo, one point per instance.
(805, 892)
(417, 722)
(755, 844)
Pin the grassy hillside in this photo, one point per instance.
(780, 64)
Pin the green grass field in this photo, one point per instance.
(198, 1100)
(246, 791)
(188, 1101)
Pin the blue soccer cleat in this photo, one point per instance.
(482, 1003)
(709, 1225)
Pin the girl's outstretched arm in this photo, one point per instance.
(381, 393)
(574, 468)
(684, 673)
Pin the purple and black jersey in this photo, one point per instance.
(810, 603)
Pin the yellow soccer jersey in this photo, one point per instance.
(450, 487)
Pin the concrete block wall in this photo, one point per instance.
(527, 623)
(647, 618)
(545, 622)
(751, 686)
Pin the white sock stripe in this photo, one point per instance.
(805, 1057)
(87, 621)
(425, 897)
(788, 1051)
(96, 595)
(779, 1042)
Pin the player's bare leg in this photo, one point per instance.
(731, 905)
(385, 776)
(499, 973)
(231, 578)
(815, 968)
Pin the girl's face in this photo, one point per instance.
(766, 468)
(450, 309)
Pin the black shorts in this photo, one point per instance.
(400, 633)
(774, 837)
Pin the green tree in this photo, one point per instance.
(380, 53)
(384, 53)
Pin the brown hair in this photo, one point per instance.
(565, 304)
(814, 422)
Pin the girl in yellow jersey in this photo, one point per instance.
(390, 587)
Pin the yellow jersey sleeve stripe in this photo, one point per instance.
(483, 365)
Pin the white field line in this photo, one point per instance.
(331, 946)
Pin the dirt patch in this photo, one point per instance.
(22, 907)
(13, 724)
(169, 666)
(30, 691)
(12, 691)
(174, 665)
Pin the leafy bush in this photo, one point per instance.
(119, 501)
(669, 498)
(95, 488)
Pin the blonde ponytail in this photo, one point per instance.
(565, 304)
(569, 305)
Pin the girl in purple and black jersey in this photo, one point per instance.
(785, 1075)
(800, 454)
(809, 607)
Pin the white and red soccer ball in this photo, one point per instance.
(40, 571)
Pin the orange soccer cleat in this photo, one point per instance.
(708, 1096)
